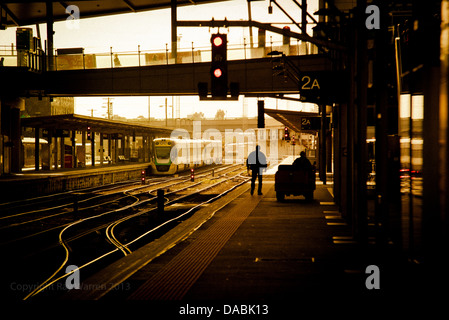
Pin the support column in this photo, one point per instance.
(115, 157)
(443, 153)
(83, 142)
(16, 141)
(110, 154)
(174, 30)
(150, 147)
(360, 197)
(128, 148)
(336, 116)
(385, 176)
(323, 148)
(46, 152)
(261, 114)
(250, 28)
(434, 236)
(49, 18)
(36, 148)
(54, 155)
(1, 143)
(101, 149)
(92, 148)
(62, 151)
(74, 158)
(349, 124)
(304, 17)
(122, 146)
(144, 147)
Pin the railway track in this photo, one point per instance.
(44, 213)
(97, 238)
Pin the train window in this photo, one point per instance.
(163, 152)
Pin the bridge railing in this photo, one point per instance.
(32, 60)
(115, 59)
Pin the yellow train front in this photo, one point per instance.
(176, 155)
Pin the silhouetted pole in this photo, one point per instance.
(323, 144)
(49, 18)
(174, 24)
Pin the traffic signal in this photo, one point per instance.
(219, 66)
(89, 133)
(260, 114)
(285, 37)
(192, 175)
(142, 176)
(286, 134)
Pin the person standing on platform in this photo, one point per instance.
(256, 162)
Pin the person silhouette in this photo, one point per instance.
(302, 162)
(256, 161)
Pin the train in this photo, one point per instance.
(176, 155)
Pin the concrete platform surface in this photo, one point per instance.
(256, 254)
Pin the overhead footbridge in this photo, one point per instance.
(255, 77)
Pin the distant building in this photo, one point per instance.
(44, 107)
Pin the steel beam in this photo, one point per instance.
(266, 26)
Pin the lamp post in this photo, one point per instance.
(166, 117)
(108, 106)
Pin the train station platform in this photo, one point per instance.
(32, 183)
(253, 250)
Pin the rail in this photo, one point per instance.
(36, 61)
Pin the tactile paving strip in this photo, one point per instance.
(174, 280)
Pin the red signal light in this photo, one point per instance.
(218, 73)
(218, 41)
(142, 176)
(286, 134)
(219, 66)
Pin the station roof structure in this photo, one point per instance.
(79, 122)
(291, 119)
(30, 12)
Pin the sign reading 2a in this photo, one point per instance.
(309, 82)
(323, 86)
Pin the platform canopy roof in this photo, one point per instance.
(81, 123)
(291, 119)
(29, 12)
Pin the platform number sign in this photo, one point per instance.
(323, 87)
(310, 82)
(306, 124)
(311, 86)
